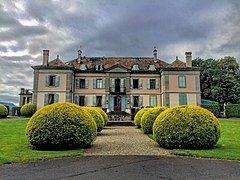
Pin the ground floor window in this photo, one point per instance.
(99, 101)
(135, 101)
(182, 99)
(81, 100)
(153, 101)
(50, 98)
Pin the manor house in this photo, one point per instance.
(116, 84)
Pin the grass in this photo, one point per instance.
(15, 148)
(228, 146)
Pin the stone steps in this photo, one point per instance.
(120, 123)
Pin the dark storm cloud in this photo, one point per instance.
(111, 28)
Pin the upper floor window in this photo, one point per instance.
(152, 83)
(81, 83)
(152, 67)
(99, 83)
(99, 67)
(181, 81)
(135, 67)
(83, 67)
(136, 83)
(52, 80)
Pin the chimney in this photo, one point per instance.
(45, 57)
(188, 59)
(155, 54)
(79, 56)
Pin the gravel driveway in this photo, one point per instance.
(124, 140)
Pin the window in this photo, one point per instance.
(50, 99)
(153, 101)
(182, 99)
(167, 100)
(99, 101)
(152, 67)
(135, 84)
(52, 80)
(82, 83)
(181, 81)
(99, 67)
(99, 83)
(82, 100)
(135, 101)
(135, 67)
(152, 84)
(83, 67)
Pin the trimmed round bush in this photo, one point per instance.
(149, 117)
(61, 126)
(138, 116)
(28, 110)
(189, 127)
(104, 115)
(3, 111)
(98, 118)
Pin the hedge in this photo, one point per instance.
(189, 127)
(98, 118)
(28, 110)
(232, 110)
(214, 108)
(3, 111)
(138, 116)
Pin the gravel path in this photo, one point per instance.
(124, 140)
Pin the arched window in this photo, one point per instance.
(135, 67)
(99, 67)
(83, 67)
(152, 67)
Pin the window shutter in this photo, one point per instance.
(86, 83)
(123, 103)
(45, 99)
(141, 101)
(148, 83)
(122, 83)
(85, 100)
(94, 83)
(140, 83)
(94, 100)
(104, 83)
(103, 101)
(57, 82)
(76, 99)
(131, 83)
(113, 85)
(131, 101)
(157, 83)
(56, 98)
(46, 81)
(77, 83)
(111, 103)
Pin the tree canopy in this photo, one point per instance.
(220, 79)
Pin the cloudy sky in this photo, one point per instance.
(208, 28)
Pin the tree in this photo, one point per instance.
(220, 79)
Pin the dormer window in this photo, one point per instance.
(152, 67)
(99, 67)
(135, 67)
(83, 67)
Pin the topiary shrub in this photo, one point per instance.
(3, 111)
(104, 115)
(138, 116)
(28, 110)
(189, 127)
(149, 117)
(61, 126)
(98, 118)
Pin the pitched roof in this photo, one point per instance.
(177, 64)
(56, 62)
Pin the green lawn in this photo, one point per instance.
(228, 146)
(15, 148)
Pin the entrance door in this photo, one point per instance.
(117, 103)
(117, 85)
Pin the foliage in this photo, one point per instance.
(232, 110)
(28, 110)
(61, 126)
(3, 111)
(227, 147)
(149, 117)
(138, 116)
(214, 108)
(190, 127)
(14, 146)
(104, 115)
(220, 79)
(98, 118)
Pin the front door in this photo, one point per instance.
(117, 103)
